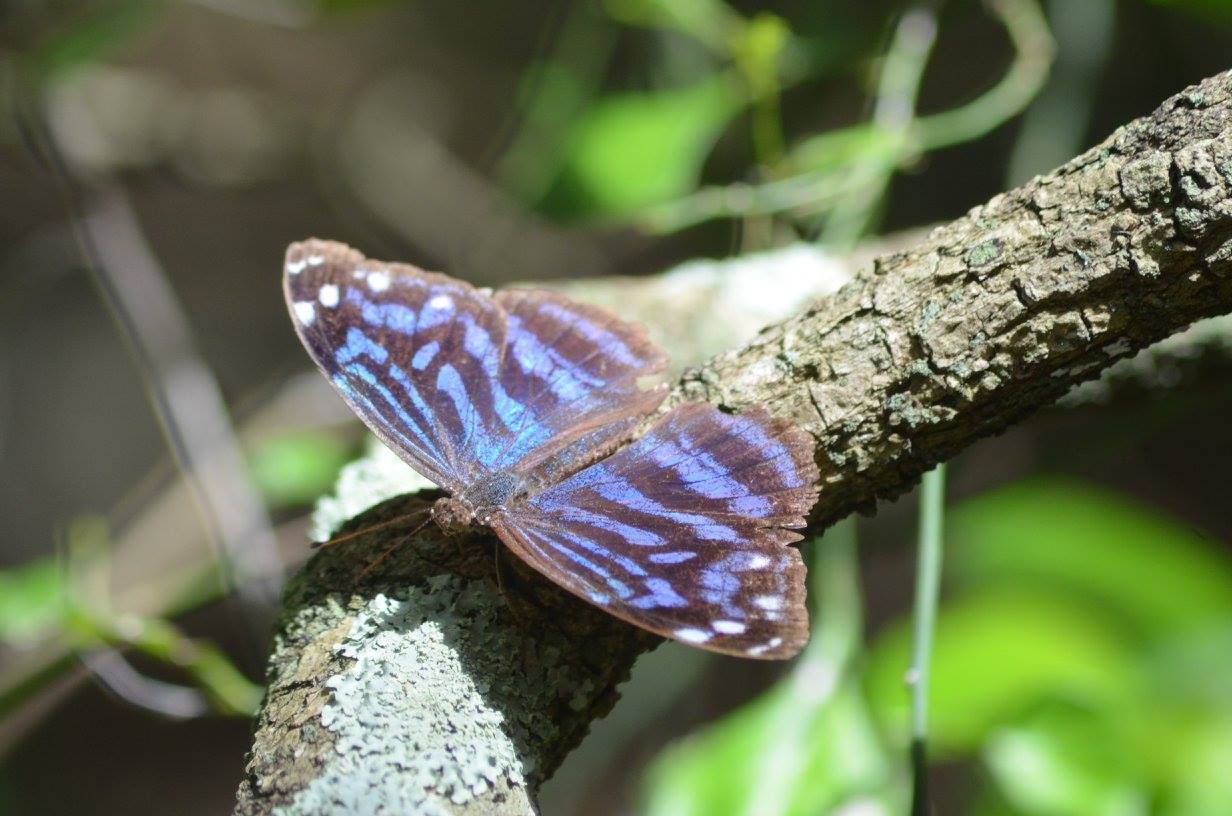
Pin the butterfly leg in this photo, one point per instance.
(389, 551)
(316, 545)
(501, 570)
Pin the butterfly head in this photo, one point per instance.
(453, 514)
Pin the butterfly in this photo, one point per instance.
(520, 404)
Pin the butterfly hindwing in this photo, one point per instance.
(685, 531)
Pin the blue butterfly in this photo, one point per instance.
(518, 403)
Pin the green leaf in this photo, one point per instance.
(1058, 534)
(1063, 761)
(31, 601)
(1194, 668)
(1202, 785)
(997, 654)
(629, 151)
(295, 469)
(777, 755)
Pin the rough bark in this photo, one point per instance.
(420, 687)
(1004, 310)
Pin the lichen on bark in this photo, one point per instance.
(445, 681)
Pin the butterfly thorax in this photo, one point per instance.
(477, 503)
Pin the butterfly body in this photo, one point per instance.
(521, 405)
(479, 503)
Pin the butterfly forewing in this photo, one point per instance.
(412, 352)
(462, 384)
(685, 531)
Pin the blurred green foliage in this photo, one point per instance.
(294, 469)
(1216, 8)
(87, 32)
(1148, 570)
(832, 752)
(30, 600)
(628, 151)
(639, 155)
(1083, 657)
(809, 744)
(64, 601)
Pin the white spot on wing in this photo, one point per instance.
(295, 267)
(315, 260)
(758, 561)
(441, 302)
(328, 295)
(770, 603)
(304, 311)
(378, 281)
(727, 627)
(692, 635)
(773, 643)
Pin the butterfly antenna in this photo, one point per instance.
(317, 545)
(389, 550)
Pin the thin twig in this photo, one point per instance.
(924, 618)
(894, 110)
(1027, 27)
(182, 391)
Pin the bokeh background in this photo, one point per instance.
(162, 438)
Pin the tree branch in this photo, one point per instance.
(422, 687)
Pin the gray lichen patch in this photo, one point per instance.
(415, 729)
(420, 686)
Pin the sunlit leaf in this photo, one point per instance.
(996, 655)
(31, 600)
(1153, 571)
(1195, 667)
(632, 150)
(1202, 783)
(297, 468)
(1063, 761)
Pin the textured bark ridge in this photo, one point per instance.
(423, 687)
(1002, 311)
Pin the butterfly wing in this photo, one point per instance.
(460, 383)
(576, 368)
(401, 346)
(685, 531)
